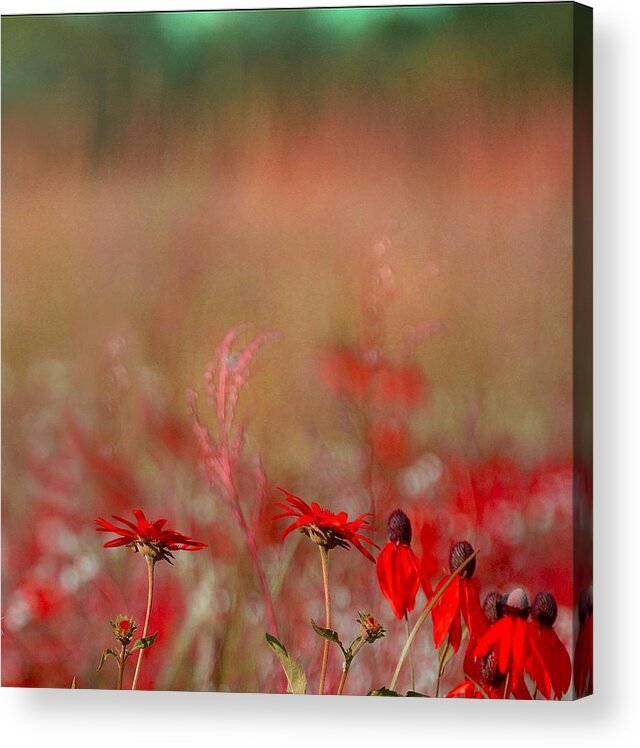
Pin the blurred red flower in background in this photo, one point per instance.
(391, 443)
(403, 386)
(148, 538)
(398, 566)
(324, 527)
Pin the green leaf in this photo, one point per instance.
(329, 634)
(383, 691)
(103, 659)
(296, 679)
(144, 642)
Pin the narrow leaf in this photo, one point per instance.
(144, 642)
(103, 659)
(329, 634)
(296, 678)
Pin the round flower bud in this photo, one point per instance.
(399, 527)
(123, 628)
(517, 603)
(544, 609)
(370, 629)
(460, 552)
(494, 606)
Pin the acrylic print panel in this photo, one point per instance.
(296, 382)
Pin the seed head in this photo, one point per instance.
(494, 606)
(460, 552)
(490, 674)
(517, 603)
(399, 527)
(544, 609)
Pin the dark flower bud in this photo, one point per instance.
(399, 527)
(459, 554)
(490, 674)
(494, 606)
(582, 606)
(517, 603)
(585, 604)
(544, 609)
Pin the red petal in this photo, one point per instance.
(445, 610)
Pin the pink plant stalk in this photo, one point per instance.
(226, 375)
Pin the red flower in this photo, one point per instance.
(460, 600)
(398, 566)
(551, 667)
(509, 639)
(149, 538)
(466, 690)
(324, 527)
(583, 656)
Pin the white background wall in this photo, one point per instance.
(612, 716)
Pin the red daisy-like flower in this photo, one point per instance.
(461, 600)
(398, 567)
(151, 539)
(324, 527)
(551, 667)
(509, 639)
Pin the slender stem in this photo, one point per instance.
(413, 675)
(505, 694)
(250, 540)
(535, 693)
(121, 660)
(150, 564)
(347, 665)
(441, 659)
(324, 556)
(425, 614)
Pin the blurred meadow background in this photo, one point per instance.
(168, 176)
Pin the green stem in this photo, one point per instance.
(150, 564)
(121, 660)
(441, 659)
(347, 665)
(425, 614)
(413, 675)
(324, 556)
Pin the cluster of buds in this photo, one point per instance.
(370, 628)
